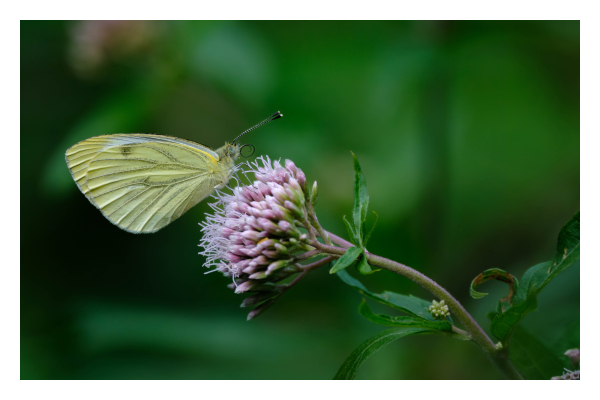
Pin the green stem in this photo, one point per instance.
(498, 358)
(312, 215)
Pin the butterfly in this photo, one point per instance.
(143, 182)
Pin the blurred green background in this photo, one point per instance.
(467, 132)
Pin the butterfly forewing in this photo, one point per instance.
(142, 182)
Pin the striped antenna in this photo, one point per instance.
(271, 118)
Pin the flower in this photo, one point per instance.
(573, 355)
(255, 231)
(567, 376)
(439, 310)
(95, 44)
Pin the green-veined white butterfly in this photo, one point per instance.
(143, 182)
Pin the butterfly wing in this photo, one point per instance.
(141, 182)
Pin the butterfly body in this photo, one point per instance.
(143, 182)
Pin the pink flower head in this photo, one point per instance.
(255, 230)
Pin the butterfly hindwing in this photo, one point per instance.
(142, 182)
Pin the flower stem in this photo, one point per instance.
(307, 255)
(312, 215)
(316, 264)
(498, 358)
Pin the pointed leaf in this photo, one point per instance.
(504, 323)
(350, 367)
(354, 238)
(409, 304)
(371, 230)
(361, 200)
(568, 245)
(346, 260)
(363, 266)
(533, 358)
(536, 277)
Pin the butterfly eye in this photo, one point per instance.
(232, 150)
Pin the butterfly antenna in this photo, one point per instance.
(271, 118)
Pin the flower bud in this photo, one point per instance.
(244, 287)
(251, 235)
(268, 225)
(264, 287)
(280, 194)
(260, 309)
(276, 265)
(295, 186)
(258, 275)
(257, 298)
(281, 249)
(439, 310)
(290, 166)
(314, 194)
(573, 355)
(297, 212)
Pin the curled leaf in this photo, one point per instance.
(498, 275)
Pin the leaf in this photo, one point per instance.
(371, 230)
(532, 275)
(568, 244)
(409, 304)
(504, 323)
(533, 358)
(363, 266)
(496, 274)
(536, 277)
(351, 233)
(361, 201)
(346, 260)
(388, 320)
(350, 367)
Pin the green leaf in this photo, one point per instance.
(388, 320)
(363, 266)
(350, 367)
(533, 358)
(371, 230)
(496, 274)
(568, 245)
(504, 323)
(351, 233)
(346, 260)
(409, 304)
(361, 201)
(535, 278)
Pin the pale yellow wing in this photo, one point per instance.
(141, 182)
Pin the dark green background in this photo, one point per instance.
(467, 132)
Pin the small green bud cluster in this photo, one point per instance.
(439, 310)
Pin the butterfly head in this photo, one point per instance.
(234, 150)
